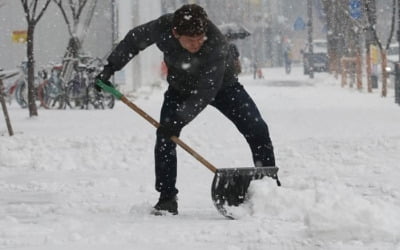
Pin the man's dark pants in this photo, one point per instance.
(237, 106)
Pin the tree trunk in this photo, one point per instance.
(369, 69)
(31, 72)
(310, 39)
(359, 69)
(384, 72)
(73, 48)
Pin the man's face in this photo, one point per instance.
(191, 43)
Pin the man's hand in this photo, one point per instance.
(104, 76)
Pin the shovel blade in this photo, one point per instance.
(229, 187)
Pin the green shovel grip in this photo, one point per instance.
(109, 89)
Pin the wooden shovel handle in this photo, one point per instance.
(173, 138)
(110, 89)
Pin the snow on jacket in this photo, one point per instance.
(197, 77)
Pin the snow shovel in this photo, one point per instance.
(229, 187)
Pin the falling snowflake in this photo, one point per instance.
(185, 65)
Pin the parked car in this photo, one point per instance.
(392, 55)
(319, 56)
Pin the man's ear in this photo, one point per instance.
(176, 35)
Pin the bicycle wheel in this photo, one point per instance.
(76, 94)
(10, 93)
(99, 100)
(108, 100)
(51, 95)
(95, 98)
(21, 94)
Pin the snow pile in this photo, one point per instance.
(328, 210)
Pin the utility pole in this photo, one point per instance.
(398, 25)
(114, 21)
(114, 27)
(397, 76)
(369, 37)
(372, 78)
(310, 40)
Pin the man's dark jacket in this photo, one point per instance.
(196, 77)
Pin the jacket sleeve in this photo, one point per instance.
(136, 40)
(209, 83)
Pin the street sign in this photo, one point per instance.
(299, 24)
(355, 9)
(374, 54)
(19, 36)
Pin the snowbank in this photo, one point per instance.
(85, 179)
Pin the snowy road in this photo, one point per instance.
(84, 179)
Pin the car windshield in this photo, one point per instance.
(393, 52)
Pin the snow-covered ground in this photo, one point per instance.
(85, 179)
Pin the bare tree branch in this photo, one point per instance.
(72, 7)
(26, 10)
(61, 7)
(392, 25)
(30, 6)
(76, 9)
(42, 11)
(30, 10)
(34, 8)
(372, 23)
(82, 4)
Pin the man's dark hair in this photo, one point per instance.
(190, 20)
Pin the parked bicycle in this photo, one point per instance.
(21, 89)
(80, 90)
(51, 91)
(8, 87)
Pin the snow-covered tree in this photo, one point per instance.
(72, 14)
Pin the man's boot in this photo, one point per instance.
(166, 205)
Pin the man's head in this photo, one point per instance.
(190, 27)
